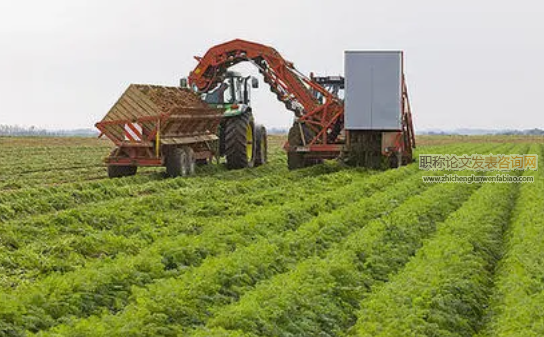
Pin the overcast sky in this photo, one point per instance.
(478, 64)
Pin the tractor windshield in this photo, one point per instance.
(228, 92)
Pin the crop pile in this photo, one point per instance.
(324, 251)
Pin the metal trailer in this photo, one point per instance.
(378, 118)
(160, 126)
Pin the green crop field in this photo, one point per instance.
(324, 251)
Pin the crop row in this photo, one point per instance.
(224, 278)
(49, 162)
(10, 151)
(22, 161)
(48, 168)
(112, 280)
(28, 180)
(70, 238)
(107, 225)
(517, 301)
(187, 243)
(164, 207)
(54, 198)
(14, 156)
(444, 289)
(319, 296)
(51, 199)
(218, 234)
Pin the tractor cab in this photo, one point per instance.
(233, 94)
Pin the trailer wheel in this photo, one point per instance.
(176, 162)
(240, 141)
(395, 160)
(190, 162)
(116, 171)
(297, 160)
(261, 151)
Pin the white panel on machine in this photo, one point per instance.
(373, 99)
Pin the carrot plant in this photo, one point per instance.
(222, 279)
(444, 289)
(255, 252)
(517, 301)
(319, 296)
(127, 226)
(175, 254)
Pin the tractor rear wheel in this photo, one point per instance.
(176, 162)
(261, 151)
(297, 160)
(240, 141)
(116, 171)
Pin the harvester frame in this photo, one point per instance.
(318, 130)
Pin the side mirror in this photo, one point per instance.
(183, 83)
(254, 83)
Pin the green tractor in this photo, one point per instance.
(241, 141)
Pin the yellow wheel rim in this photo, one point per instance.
(249, 140)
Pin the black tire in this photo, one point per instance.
(190, 162)
(116, 171)
(261, 144)
(176, 162)
(297, 160)
(395, 160)
(239, 149)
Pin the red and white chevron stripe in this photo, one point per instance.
(133, 132)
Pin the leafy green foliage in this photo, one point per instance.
(224, 253)
(517, 301)
(222, 279)
(319, 296)
(443, 290)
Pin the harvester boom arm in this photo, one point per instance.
(291, 87)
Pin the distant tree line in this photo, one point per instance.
(20, 131)
(277, 131)
(531, 132)
(474, 132)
